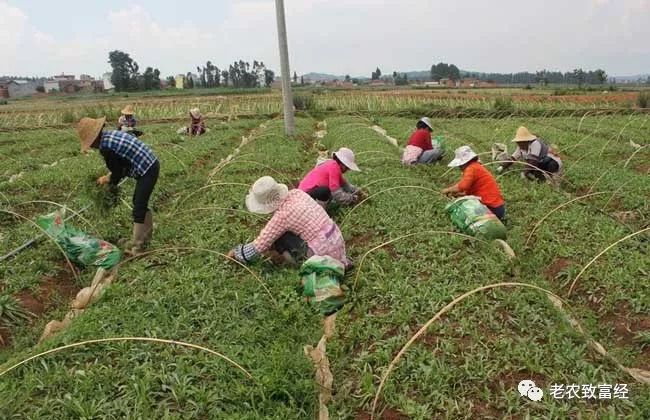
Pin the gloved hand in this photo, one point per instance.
(103, 180)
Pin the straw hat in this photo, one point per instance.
(266, 195)
(523, 135)
(195, 113)
(462, 155)
(128, 110)
(427, 122)
(88, 129)
(346, 156)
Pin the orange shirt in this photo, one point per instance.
(479, 181)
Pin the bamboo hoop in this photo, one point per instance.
(217, 184)
(86, 221)
(573, 283)
(191, 248)
(72, 268)
(114, 339)
(539, 222)
(447, 232)
(638, 374)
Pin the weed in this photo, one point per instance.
(643, 99)
(11, 313)
(303, 102)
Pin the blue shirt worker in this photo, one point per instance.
(125, 156)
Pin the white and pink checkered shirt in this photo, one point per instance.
(298, 213)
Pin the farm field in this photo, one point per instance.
(409, 266)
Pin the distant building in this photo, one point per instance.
(431, 84)
(180, 81)
(17, 88)
(63, 76)
(339, 84)
(377, 83)
(51, 86)
(106, 81)
(86, 77)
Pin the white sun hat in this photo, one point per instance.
(346, 156)
(427, 122)
(462, 155)
(265, 195)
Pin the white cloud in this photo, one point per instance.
(13, 23)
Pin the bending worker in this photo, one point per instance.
(125, 156)
(329, 174)
(299, 228)
(537, 154)
(420, 148)
(476, 181)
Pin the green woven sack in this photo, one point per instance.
(320, 284)
(473, 218)
(79, 247)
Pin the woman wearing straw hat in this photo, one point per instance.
(476, 181)
(329, 174)
(125, 156)
(419, 148)
(537, 154)
(127, 121)
(298, 229)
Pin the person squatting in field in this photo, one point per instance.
(476, 181)
(127, 121)
(298, 229)
(537, 154)
(420, 148)
(328, 175)
(125, 156)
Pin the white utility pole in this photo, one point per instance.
(289, 123)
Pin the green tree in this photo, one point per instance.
(579, 76)
(171, 81)
(225, 76)
(376, 74)
(600, 76)
(347, 78)
(125, 71)
(295, 77)
(189, 81)
(269, 76)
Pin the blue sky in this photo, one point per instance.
(334, 36)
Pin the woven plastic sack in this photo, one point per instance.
(79, 247)
(320, 283)
(473, 218)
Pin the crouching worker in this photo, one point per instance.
(329, 175)
(476, 181)
(125, 156)
(127, 121)
(298, 229)
(537, 154)
(419, 148)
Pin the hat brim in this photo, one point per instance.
(127, 111)
(255, 206)
(350, 165)
(195, 115)
(460, 162)
(532, 137)
(86, 142)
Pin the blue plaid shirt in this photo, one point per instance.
(128, 147)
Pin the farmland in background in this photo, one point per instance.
(468, 363)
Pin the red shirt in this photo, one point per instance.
(479, 181)
(421, 138)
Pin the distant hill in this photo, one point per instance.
(322, 77)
